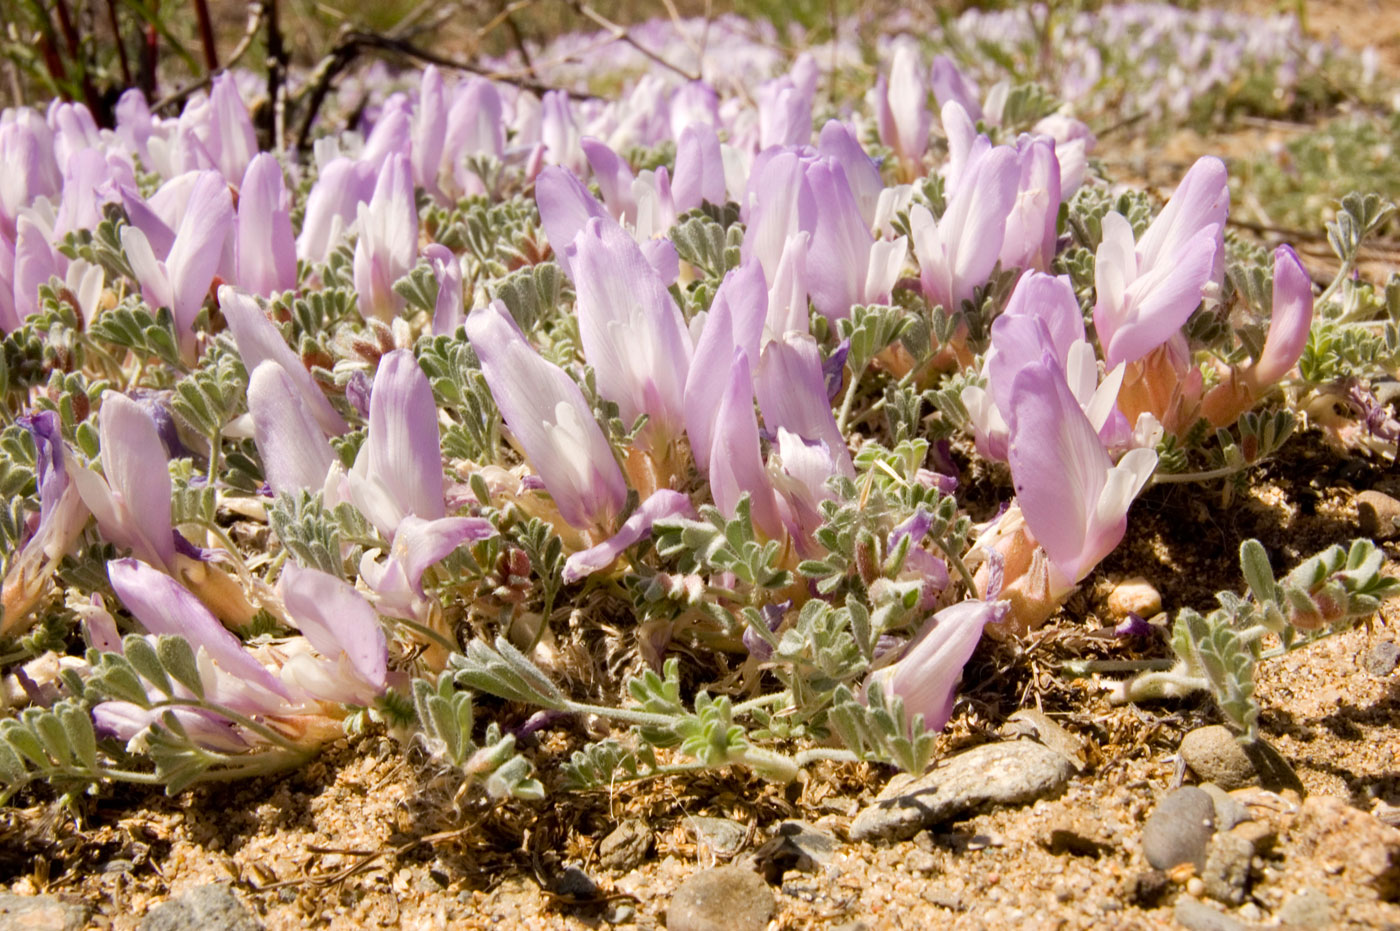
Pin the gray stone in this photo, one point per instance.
(1226, 872)
(1179, 830)
(1216, 756)
(725, 898)
(40, 913)
(203, 908)
(574, 884)
(1037, 725)
(626, 846)
(1229, 811)
(1198, 916)
(1379, 515)
(1011, 773)
(720, 836)
(1382, 658)
(1307, 908)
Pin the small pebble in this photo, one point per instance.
(1179, 830)
(574, 883)
(1216, 756)
(1378, 514)
(1134, 596)
(626, 846)
(1226, 873)
(720, 837)
(1197, 916)
(1382, 658)
(921, 861)
(201, 909)
(40, 913)
(1229, 811)
(725, 898)
(1307, 908)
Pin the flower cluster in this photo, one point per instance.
(698, 356)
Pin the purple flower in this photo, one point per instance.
(838, 141)
(699, 169)
(475, 126)
(62, 517)
(902, 108)
(1291, 320)
(958, 252)
(926, 676)
(736, 460)
(1146, 290)
(418, 544)
(229, 135)
(1030, 228)
(398, 471)
(1075, 500)
(735, 321)
(331, 206)
(35, 263)
(388, 243)
(661, 504)
(131, 499)
(258, 340)
(294, 451)
(632, 332)
(337, 620)
(951, 86)
(551, 421)
(182, 279)
(164, 606)
(266, 252)
(845, 264)
(778, 204)
(792, 395)
(614, 180)
(449, 311)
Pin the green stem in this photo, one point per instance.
(744, 707)
(630, 715)
(838, 754)
(257, 727)
(956, 562)
(1087, 667)
(1341, 276)
(423, 630)
(849, 399)
(1181, 478)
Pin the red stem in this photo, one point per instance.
(206, 35)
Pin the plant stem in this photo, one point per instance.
(744, 707)
(849, 399)
(956, 561)
(1181, 478)
(838, 754)
(630, 715)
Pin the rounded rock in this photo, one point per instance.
(1216, 756)
(1179, 830)
(1382, 658)
(1134, 596)
(1378, 514)
(726, 898)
